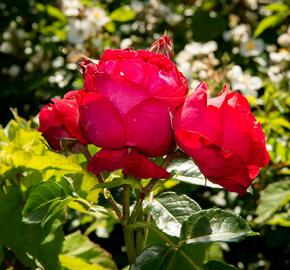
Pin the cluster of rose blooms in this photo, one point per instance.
(135, 106)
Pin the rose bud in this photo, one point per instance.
(223, 138)
(128, 100)
(59, 123)
(164, 46)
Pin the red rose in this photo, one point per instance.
(127, 101)
(223, 138)
(60, 120)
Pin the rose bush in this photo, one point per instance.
(222, 136)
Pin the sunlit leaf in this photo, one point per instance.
(77, 248)
(45, 201)
(214, 225)
(122, 14)
(272, 198)
(170, 210)
(186, 171)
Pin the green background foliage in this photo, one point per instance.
(51, 218)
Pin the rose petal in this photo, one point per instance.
(217, 165)
(149, 128)
(48, 117)
(68, 112)
(132, 163)
(123, 94)
(100, 121)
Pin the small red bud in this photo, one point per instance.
(164, 46)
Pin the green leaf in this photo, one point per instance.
(122, 14)
(75, 263)
(110, 27)
(281, 219)
(272, 198)
(270, 22)
(186, 171)
(170, 210)
(51, 11)
(79, 250)
(161, 257)
(214, 225)
(45, 200)
(32, 244)
(154, 257)
(218, 265)
(279, 7)
(280, 122)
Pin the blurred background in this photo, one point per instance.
(243, 43)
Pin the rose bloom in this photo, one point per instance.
(125, 108)
(222, 136)
(60, 121)
(127, 101)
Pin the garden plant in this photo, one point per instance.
(145, 149)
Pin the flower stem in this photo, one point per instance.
(100, 178)
(139, 232)
(128, 232)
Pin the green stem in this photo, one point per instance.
(100, 178)
(128, 232)
(139, 231)
(129, 242)
(147, 189)
(148, 219)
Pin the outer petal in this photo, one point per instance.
(242, 134)
(217, 165)
(68, 112)
(196, 115)
(48, 117)
(132, 163)
(149, 128)
(100, 121)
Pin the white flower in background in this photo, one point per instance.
(244, 82)
(183, 56)
(280, 56)
(137, 6)
(97, 16)
(183, 63)
(252, 4)
(71, 8)
(126, 43)
(284, 39)
(196, 48)
(173, 19)
(184, 67)
(6, 47)
(79, 30)
(238, 33)
(252, 47)
(275, 74)
(13, 71)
